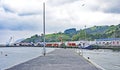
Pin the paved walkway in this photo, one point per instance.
(60, 59)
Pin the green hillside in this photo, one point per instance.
(95, 32)
(55, 37)
(113, 31)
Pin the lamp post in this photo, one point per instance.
(44, 50)
(84, 44)
(85, 33)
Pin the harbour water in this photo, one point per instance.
(105, 58)
(11, 56)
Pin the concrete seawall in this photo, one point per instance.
(60, 59)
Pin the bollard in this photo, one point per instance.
(5, 54)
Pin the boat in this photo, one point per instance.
(85, 45)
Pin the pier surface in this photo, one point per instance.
(60, 59)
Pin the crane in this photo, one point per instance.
(10, 40)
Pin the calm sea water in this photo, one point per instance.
(11, 56)
(107, 59)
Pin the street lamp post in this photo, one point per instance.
(85, 41)
(44, 50)
(85, 33)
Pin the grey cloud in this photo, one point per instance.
(111, 6)
(18, 25)
(113, 9)
(56, 25)
(23, 27)
(8, 9)
(60, 2)
(31, 12)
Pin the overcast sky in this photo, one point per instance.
(23, 18)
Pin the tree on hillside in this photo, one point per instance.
(79, 36)
(70, 32)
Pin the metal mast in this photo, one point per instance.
(44, 50)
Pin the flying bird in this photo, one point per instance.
(83, 4)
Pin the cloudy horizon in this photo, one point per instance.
(23, 18)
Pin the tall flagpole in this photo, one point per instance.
(44, 50)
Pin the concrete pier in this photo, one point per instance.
(60, 59)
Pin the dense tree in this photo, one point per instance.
(70, 32)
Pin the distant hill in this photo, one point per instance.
(55, 37)
(95, 32)
(113, 31)
(19, 40)
(36, 38)
(70, 32)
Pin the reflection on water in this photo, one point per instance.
(109, 59)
